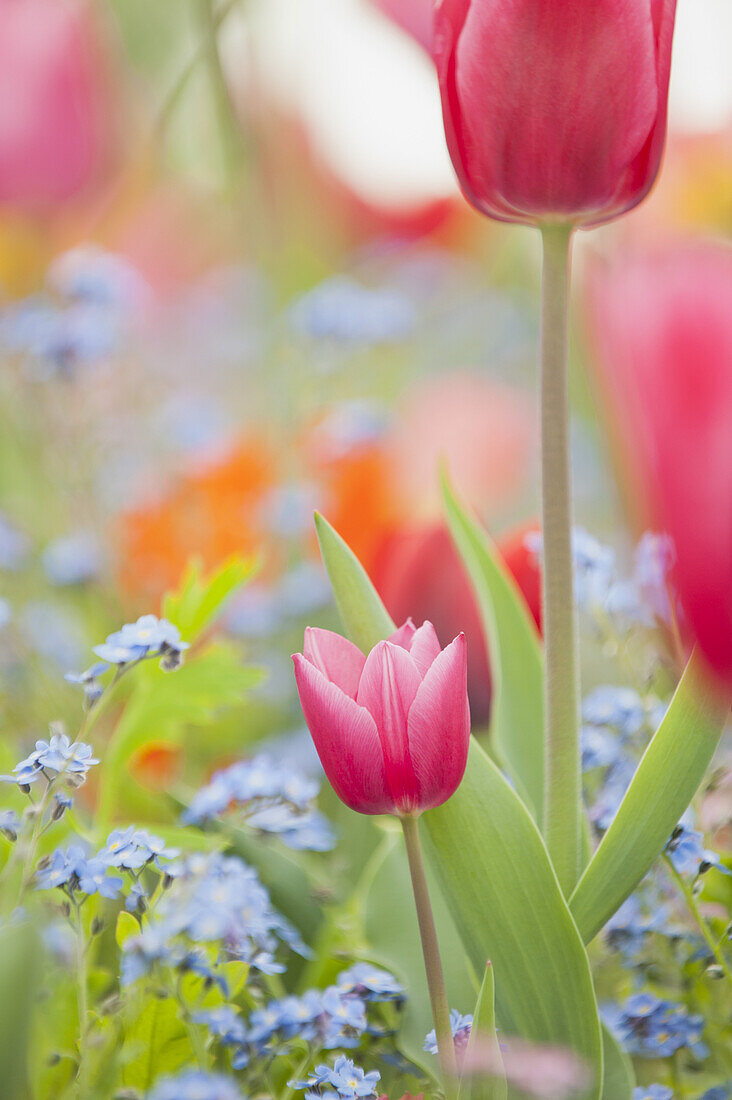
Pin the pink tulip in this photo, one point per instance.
(51, 109)
(663, 329)
(555, 111)
(391, 729)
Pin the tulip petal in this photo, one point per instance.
(425, 647)
(642, 173)
(403, 636)
(339, 660)
(346, 741)
(439, 726)
(389, 684)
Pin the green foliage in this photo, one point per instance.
(505, 898)
(364, 617)
(20, 968)
(618, 1079)
(391, 929)
(664, 784)
(156, 1042)
(165, 705)
(517, 662)
(495, 874)
(201, 599)
(483, 1034)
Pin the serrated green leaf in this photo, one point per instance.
(483, 1032)
(618, 1079)
(198, 602)
(516, 658)
(162, 704)
(156, 1043)
(666, 780)
(495, 875)
(498, 880)
(364, 617)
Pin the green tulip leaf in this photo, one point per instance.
(488, 856)
(618, 1080)
(483, 1032)
(364, 617)
(666, 780)
(506, 901)
(395, 944)
(517, 662)
(20, 971)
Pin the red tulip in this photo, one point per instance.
(418, 573)
(51, 127)
(414, 16)
(391, 729)
(555, 111)
(663, 327)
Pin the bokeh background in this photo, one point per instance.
(237, 283)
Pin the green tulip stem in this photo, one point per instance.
(432, 962)
(562, 821)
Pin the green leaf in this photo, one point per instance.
(483, 1032)
(618, 1079)
(517, 662)
(667, 778)
(498, 880)
(200, 599)
(20, 960)
(125, 928)
(162, 705)
(156, 1043)
(364, 617)
(495, 874)
(395, 944)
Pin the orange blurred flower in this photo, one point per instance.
(157, 764)
(210, 514)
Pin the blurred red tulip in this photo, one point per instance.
(51, 79)
(555, 112)
(523, 564)
(418, 573)
(663, 328)
(416, 17)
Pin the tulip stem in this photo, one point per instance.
(562, 820)
(432, 962)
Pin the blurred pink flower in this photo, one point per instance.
(546, 1072)
(51, 125)
(662, 324)
(485, 433)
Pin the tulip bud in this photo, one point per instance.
(391, 729)
(555, 112)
